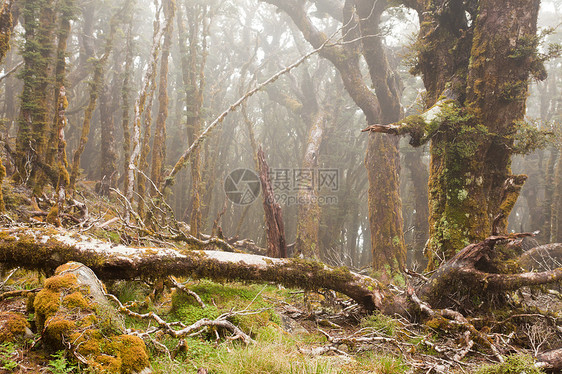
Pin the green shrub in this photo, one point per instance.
(514, 364)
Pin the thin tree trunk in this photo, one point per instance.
(140, 107)
(95, 87)
(125, 102)
(556, 215)
(159, 145)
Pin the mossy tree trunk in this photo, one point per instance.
(125, 97)
(475, 60)
(6, 24)
(108, 105)
(382, 159)
(5, 34)
(47, 248)
(37, 75)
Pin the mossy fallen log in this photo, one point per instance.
(46, 248)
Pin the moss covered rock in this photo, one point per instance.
(72, 309)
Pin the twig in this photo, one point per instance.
(186, 290)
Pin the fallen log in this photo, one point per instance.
(46, 248)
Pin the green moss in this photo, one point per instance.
(514, 364)
(381, 323)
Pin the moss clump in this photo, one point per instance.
(88, 342)
(106, 364)
(12, 326)
(132, 353)
(75, 300)
(381, 323)
(55, 330)
(53, 216)
(46, 304)
(62, 281)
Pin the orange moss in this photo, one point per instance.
(56, 329)
(75, 300)
(12, 326)
(107, 364)
(46, 304)
(62, 281)
(87, 342)
(132, 353)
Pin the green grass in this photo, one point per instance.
(381, 323)
(514, 364)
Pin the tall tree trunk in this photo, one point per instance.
(108, 157)
(383, 159)
(140, 108)
(125, 102)
(95, 86)
(159, 145)
(32, 138)
(308, 216)
(5, 34)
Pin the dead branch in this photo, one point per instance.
(221, 322)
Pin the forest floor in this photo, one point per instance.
(293, 331)
(290, 329)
